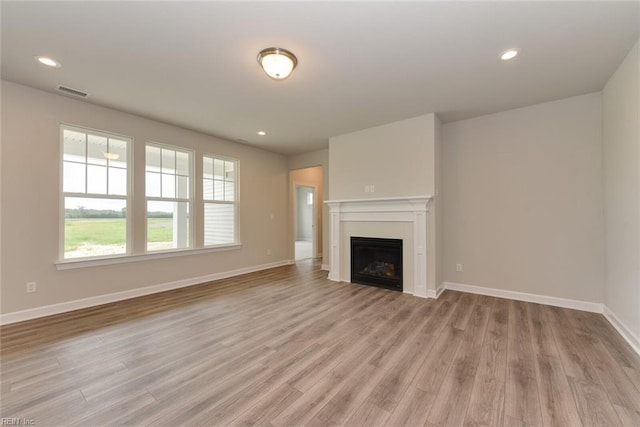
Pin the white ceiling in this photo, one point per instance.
(361, 64)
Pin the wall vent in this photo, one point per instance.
(71, 91)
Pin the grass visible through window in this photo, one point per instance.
(104, 236)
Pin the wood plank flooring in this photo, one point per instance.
(287, 347)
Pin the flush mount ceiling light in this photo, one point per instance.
(49, 62)
(262, 133)
(110, 156)
(509, 54)
(278, 63)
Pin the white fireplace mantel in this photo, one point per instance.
(412, 210)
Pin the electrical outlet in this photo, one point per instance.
(458, 267)
(367, 189)
(31, 287)
(373, 188)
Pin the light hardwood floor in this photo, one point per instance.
(287, 347)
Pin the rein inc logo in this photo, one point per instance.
(17, 422)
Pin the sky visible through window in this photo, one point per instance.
(95, 189)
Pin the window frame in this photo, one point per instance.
(136, 250)
(236, 201)
(62, 195)
(190, 201)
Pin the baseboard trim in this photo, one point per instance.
(34, 313)
(325, 267)
(630, 337)
(48, 310)
(624, 330)
(435, 294)
(522, 296)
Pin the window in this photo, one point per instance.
(169, 197)
(95, 188)
(219, 190)
(97, 200)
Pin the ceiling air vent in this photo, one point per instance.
(71, 91)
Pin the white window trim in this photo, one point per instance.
(191, 200)
(62, 194)
(236, 221)
(128, 257)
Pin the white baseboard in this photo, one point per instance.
(436, 293)
(624, 330)
(522, 296)
(48, 310)
(325, 267)
(630, 337)
(34, 313)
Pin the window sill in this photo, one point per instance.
(71, 264)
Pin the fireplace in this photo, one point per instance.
(377, 262)
(406, 218)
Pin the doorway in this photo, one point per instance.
(305, 220)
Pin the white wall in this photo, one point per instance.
(621, 147)
(523, 200)
(397, 158)
(306, 168)
(30, 202)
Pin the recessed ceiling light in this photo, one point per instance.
(262, 133)
(49, 62)
(509, 54)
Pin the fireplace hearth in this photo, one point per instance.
(377, 262)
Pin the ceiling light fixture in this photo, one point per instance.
(110, 156)
(262, 133)
(49, 62)
(278, 63)
(509, 54)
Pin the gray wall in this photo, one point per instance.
(397, 158)
(30, 202)
(312, 169)
(523, 198)
(621, 142)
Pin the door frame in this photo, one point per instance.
(314, 237)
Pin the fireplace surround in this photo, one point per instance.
(409, 213)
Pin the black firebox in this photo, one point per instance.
(377, 262)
